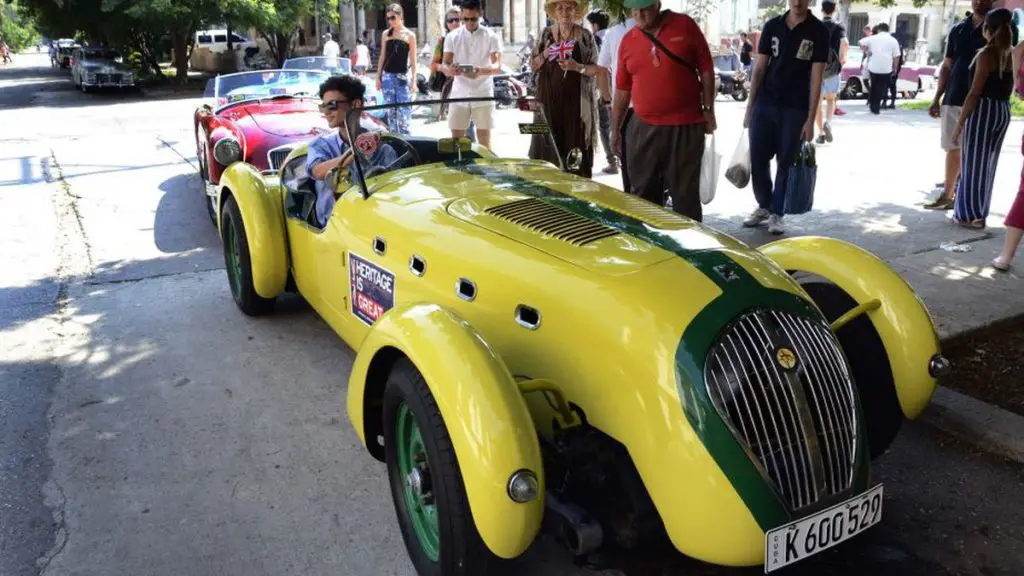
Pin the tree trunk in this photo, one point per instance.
(179, 51)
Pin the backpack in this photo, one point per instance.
(832, 67)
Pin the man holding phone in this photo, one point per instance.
(472, 55)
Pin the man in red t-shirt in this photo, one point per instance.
(673, 110)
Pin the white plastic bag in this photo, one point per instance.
(738, 171)
(709, 166)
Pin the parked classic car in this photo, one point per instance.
(336, 66)
(856, 81)
(65, 47)
(256, 118)
(537, 348)
(100, 68)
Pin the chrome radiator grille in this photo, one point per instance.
(277, 156)
(782, 385)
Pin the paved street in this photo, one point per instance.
(148, 427)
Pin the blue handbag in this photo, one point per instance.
(800, 181)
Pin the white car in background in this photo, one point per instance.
(217, 40)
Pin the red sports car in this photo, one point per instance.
(255, 117)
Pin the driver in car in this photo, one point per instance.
(339, 95)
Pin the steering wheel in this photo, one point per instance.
(405, 152)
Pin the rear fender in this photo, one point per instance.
(485, 413)
(263, 218)
(902, 320)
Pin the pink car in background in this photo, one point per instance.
(856, 81)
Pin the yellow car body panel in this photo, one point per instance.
(902, 321)
(486, 416)
(259, 201)
(630, 300)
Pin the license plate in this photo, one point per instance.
(806, 537)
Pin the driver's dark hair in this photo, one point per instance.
(470, 5)
(350, 86)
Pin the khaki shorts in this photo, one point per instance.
(950, 116)
(460, 113)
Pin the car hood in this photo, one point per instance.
(287, 123)
(578, 221)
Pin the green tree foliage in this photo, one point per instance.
(278, 21)
(16, 27)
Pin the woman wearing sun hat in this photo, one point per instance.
(564, 62)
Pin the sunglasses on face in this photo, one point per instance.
(333, 105)
(392, 18)
(453, 20)
(470, 18)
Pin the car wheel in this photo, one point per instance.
(426, 482)
(870, 368)
(739, 95)
(239, 264)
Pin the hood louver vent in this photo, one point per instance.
(540, 216)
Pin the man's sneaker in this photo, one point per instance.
(828, 132)
(611, 168)
(775, 224)
(757, 217)
(820, 139)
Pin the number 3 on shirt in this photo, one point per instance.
(775, 47)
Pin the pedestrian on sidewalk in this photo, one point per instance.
(665, 67)
(565, 66)
(472, 56)
(1015, 217)
(962, 44)
(984, 120)
(396, 70)
(895, 77)
(831, 78)
(609, 60)
(884, 58)
(452, 21)
(746, 50)
(785, 93)
(599, 22)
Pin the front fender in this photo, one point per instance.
(263, 218)
(485, 414)
(902, 321)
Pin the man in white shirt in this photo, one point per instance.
(331, 51)
(608, 58)
(883, 60)
(472, 55)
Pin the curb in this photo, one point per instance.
(988, 427)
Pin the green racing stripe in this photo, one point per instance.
(741, 293)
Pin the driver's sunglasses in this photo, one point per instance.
(333, 105)
(470, 18)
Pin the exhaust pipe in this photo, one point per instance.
(573, 526)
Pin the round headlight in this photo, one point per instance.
(523, 487)
(227, 151)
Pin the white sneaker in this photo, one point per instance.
(775, 225)
(757, 217)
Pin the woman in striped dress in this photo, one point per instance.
(984, 121)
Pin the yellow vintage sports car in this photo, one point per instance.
(537, 348)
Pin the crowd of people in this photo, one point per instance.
(644, 86)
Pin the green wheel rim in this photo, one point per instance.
(234, 259)
(415, 472)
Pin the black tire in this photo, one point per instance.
(739, 95)
(869, 364)
(461, 550)
(240, 272)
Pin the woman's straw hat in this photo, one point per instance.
(582, 7)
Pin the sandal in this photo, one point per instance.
(1000, 265)
(940, 204)
(973, 224)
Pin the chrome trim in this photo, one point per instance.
(211, 189)
(458, 289)
(270, 156)
(523, 323)
(797, 423)
(413, 260)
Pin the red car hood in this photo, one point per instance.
(282, 118)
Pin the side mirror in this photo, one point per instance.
(573, 160)
(338, 180)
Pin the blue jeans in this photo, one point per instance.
(396, 92)
(774, 133)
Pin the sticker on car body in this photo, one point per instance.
(371, 287)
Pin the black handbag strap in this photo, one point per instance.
(670, 54)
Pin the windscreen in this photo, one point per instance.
(232, 88)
